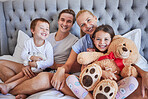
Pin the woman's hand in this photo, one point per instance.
(144, 76)
(28, 72)
(58, 79)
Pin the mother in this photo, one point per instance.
(88, 23)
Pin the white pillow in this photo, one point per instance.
(20, 45)
(134, 35)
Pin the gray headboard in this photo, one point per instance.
(122, 15)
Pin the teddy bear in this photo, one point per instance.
(35, 70)
(121, 54)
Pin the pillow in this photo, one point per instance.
(20, 45)
(134, 35)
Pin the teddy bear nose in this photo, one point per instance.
(124, 49)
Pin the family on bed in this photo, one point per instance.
(55, 61)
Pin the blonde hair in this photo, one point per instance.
(78, 14)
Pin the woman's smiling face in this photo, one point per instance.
(87, 22)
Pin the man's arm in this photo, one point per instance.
(58, 79)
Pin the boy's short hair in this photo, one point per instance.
(82, 11)
(69, 11)
(34, 22)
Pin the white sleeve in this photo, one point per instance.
(25, 55)
(49, 58)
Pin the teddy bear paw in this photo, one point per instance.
(106, 89)
(90, 76)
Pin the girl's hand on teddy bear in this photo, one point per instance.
(91, 50)
(108, 75)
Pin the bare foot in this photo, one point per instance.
(4, 88)
(21, 96)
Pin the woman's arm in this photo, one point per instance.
(58, 79)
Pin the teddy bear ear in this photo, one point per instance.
(117, 37)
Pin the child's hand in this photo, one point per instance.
(91, 50)
(36, 58)
(108, 75)
(28, 72)
(33, 64)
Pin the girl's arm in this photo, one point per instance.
(144, 76)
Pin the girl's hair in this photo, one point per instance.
(69, 11)
(34, 22)
(78, 14)
(106, 28)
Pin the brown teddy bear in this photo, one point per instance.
(121, 54)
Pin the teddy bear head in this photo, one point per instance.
(125, 49)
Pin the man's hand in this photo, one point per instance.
(58, 79)
(28, 72)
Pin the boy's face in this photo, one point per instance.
(87, 22)
(102, 40)
(65, 22)
(41, 30)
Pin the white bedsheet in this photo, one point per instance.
(52, 93)
(48, 94)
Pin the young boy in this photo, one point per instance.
(37, 51)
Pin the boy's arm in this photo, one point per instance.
(49, 60)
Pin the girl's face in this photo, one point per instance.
(65, 22)
(87, 22)
(41, 31)
(102, 40)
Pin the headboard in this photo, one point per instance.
(122, 15)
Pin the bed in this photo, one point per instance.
(127, 17)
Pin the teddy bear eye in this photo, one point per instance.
(130, 50)
(124, 44)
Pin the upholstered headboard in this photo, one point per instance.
(122, 15)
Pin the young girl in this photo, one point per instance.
(34, 50)
(102, 38)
